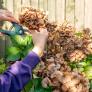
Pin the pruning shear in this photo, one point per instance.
(15, 29)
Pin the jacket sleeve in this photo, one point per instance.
(17, 75)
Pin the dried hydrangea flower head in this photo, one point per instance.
(56, 72)
(33, 18)
(51, 26)
(87, 33)
(62, 44)
(67, 82)
(76, 56)
(66, 29)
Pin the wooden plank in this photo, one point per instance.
(51, 10)
(60, 10)
(34, 3)
(1, 7)
(70, 7)
(88, 14)
(26, 3)
(79, 14)
(40, 4)
(17, 7)
(4, 4)
(9, 5)
(2, 47)
(1, 4)
(2, 39)
(45, 5)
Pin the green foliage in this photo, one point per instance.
(90, 85)
(19, 47)
(13, 53)
(79, 34)
(84, 66)
(3, 66)
(36, 86)
(88, 72)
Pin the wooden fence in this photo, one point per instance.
(77, 12)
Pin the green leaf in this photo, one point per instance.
(89, 58)
(83, 64)
(90, 85)
(79, 34)
(17, 40)
(36, 86)
(73, 65)
(24, 43)
(21, 45)
(88, 72)
(21, 41)
(13, 54)
(29, 86)
(3, 66)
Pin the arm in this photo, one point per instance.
(17, 75)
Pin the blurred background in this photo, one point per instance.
(77, 12)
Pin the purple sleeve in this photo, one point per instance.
(17, 75)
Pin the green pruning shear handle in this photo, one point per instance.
(16, 29)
